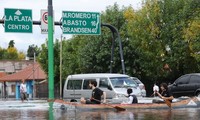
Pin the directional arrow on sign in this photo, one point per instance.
(18, 12)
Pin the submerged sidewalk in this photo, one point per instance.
(18, 104)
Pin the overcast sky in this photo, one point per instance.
(23, 40)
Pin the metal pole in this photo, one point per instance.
(33, 95)
(114, 30)
(61, 67)
(121, 52)
(50, 51)
(112, 51)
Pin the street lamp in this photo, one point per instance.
(115, 31)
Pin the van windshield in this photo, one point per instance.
(121, 82)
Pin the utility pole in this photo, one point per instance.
(33, 95)
(50, 51)
(61, 67)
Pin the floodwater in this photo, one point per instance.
(58, 114)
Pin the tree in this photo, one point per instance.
(2, 53)
(21, 55)
(12, 54)
(157, 34)
(176, 18)
(32, 49)
(43, 59)
(11, 44)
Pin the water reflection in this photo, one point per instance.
(51, 117)
(178, 114)
(57, 114)
(23, 114)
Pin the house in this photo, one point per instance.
(35, 79)
(13, 66)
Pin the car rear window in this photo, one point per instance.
(183, 80)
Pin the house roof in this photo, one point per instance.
(31, 72)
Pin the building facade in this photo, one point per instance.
(15, 72)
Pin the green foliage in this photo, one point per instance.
(95, 56)
(157, 33)
(11, 44)
(43, 57)
(33, 49)
(176, 17)
(2, 53)
(71, 58)
(11, 53)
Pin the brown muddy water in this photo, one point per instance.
(57, 114)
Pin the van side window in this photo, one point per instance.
(74, 84)
(86, 83)
(194, 79)
(103, 83)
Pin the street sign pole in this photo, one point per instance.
(50, 51)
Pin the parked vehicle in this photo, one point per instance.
(141, 86)
(115, 86)
(186, 85)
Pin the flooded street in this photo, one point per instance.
(178, 114)
(23, 114)
(57, 114)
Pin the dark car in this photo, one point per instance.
(186, 85)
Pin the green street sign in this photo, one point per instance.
(87, 23)
(18, 20)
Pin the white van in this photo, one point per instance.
(115, 86)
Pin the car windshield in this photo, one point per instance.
(122, 82)
(136, 80)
